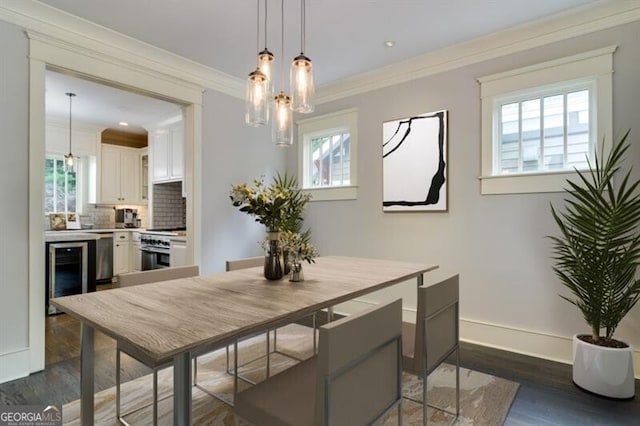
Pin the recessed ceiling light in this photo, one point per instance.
(389, 43)
(123, 123)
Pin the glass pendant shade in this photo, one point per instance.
(265, 64)
(257, 99)
(302, 88)
(282, 120)
(68, 163)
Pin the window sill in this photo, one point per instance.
(527, 183)
(333, 193)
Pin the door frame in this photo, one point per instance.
(89, 59)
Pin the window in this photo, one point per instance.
(59, 187)
(542, 122)
(327, 155)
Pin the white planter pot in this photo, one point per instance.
(603, 371)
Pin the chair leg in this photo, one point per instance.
(424, 398)
(155, 396)
(457, 382)
(315, 332)
(268, 357)
(400, 411)
(275, 339)
(195, 371)
(118, 383)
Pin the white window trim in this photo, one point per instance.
(310, 127)
(595, 65)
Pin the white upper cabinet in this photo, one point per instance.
(167, 154)
(120, 175)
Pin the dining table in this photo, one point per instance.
(177, 319)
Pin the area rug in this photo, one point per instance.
(484, 399)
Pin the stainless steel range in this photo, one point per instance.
(154, 248)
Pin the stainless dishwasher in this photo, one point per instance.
(104, 258)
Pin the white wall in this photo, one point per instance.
(14, 175)
(232, 152)
(509, 294)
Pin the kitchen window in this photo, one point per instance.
(327, 155)
(60, 188)
(541, 123)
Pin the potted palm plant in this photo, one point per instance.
(596, 257)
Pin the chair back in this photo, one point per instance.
(359, 370)
(249, 262)
(156, 275)
(436, 323)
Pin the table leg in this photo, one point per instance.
(86, 375)
(182, 389)
(420, 280)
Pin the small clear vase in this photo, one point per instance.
(273, 269)
(296, 274)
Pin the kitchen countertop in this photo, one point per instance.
(56, 236)
(94, 230)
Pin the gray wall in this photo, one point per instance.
(232, 152)
(496, 242)
(14, 175)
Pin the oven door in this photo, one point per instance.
(153, 258)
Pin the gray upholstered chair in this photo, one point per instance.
(434, 336)
(146, 277)
(355, 379)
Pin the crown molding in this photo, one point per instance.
(78, 33)
(54, 26)
(598, 16)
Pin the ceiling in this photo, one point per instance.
(103, 106)
(343, 38)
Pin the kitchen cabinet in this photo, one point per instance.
(121, 252)
(144, 175)
(120, 175)
(167, 154)
(178, 251)
(135, 255)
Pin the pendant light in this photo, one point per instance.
(68, 159)
(257, 96)
(283, 115)
(302, 87)
(265, 57)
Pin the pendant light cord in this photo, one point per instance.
(303, 26)
(282, 45)
(258, 30)
(265, 24)
(70, 97)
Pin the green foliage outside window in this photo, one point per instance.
(57, 183)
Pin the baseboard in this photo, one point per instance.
(526, 342)
(14, 365)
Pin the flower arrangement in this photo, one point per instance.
(279, 207)
(298, 246)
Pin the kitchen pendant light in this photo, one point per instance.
(302, 87)
(68, 159)
(265, 57)
(283, 115)
(257, 95)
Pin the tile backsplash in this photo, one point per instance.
(103, 216)
(169, 206)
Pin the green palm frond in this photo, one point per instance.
(598, 250)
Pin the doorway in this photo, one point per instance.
(90, 63)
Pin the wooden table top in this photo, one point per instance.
(160, 320)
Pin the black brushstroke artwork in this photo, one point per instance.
(438, 179)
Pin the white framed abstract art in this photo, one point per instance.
(414, 163)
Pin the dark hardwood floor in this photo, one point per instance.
(546, 395)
